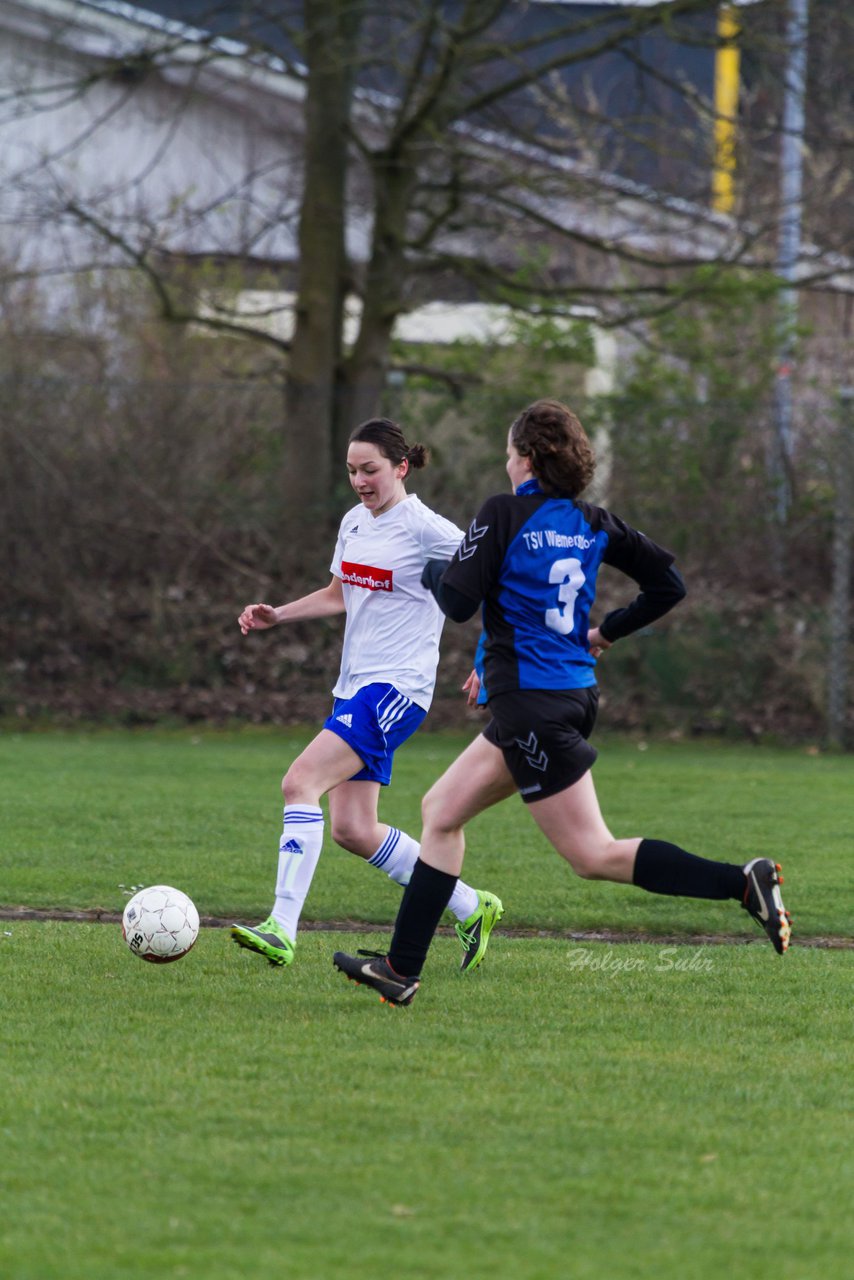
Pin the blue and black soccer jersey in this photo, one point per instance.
(532, 561)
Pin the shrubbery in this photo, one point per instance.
(140, 511)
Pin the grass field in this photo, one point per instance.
(574, 1109)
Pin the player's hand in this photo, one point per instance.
(472, 688)
(257, 617)
(597, 643)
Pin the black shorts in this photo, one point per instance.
(543, 734)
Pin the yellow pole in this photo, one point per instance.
(726, 109)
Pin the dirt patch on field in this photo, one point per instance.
(97, 915)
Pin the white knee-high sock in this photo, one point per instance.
(299, 853)
(397, 855)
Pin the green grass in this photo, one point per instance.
(85, 814)
(573, 1109)
(546, 1117)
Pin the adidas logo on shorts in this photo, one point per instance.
(346, 719)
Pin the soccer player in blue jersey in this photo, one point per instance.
(383, 692)
(530, 561)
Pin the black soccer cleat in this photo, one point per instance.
(762, 900)
(375, 971)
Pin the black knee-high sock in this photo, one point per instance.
(424, 899)
(665, 868)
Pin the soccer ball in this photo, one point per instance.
(160, 924)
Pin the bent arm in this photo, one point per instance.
(661, 590)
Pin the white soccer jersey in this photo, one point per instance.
(393, 624)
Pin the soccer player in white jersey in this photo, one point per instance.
(383, 691)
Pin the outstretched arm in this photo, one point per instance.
(318, 604)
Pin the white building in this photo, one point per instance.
(126, 138)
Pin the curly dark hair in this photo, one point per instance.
(389, 439)
(562, 457)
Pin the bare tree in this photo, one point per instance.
(449, 139)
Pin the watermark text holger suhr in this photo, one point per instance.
(666, 960)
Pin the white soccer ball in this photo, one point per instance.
(160, 924)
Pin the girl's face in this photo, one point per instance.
(375, 478)
(518, 468)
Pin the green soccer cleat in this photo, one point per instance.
(474, 932)
(267, 938)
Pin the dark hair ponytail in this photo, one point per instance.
(562, 457)
(389, 439)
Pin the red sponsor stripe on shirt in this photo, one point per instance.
(368, 576)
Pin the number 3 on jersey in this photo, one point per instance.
(570, 575)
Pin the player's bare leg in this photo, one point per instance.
(572, 822)
(355, 826)
(353, 817)
(326, 762)
(476, 780)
